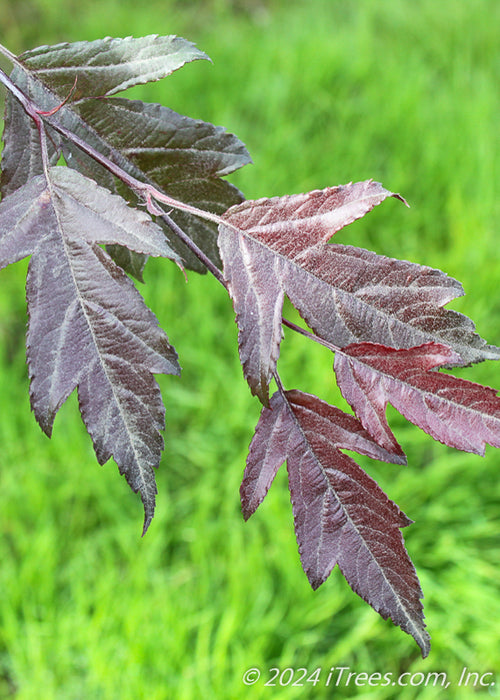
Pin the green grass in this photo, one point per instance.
(322, 92)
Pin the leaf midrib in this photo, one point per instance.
(81, 301)
(352, 524)
(391, 320)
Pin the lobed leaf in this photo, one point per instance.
(454, 411)
(341, 515)
(295, 222)
(273, 247)
(254, 285)
(88, 327)
(90, 330)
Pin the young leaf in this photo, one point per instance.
(273, 247)
(88, 327)
(456, 412)
(341, 515)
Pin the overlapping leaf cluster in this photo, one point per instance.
(89, 328)
(384, 319)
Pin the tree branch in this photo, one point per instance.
(144, 190)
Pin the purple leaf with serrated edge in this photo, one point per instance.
(106, 66)
(341, 515)
(254, 285)
(315, 215)
(269, 447)
(456, 412)
(88, 326)
(256, 275)
(272, 247)
(101, 67)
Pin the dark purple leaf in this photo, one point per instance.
(88, 327)
(456, 412)
(273, 247)
(341, 515)
(101, 67)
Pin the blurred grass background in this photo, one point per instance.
(322, 92)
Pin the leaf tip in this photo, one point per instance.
(258, 389)
(148, 498)
(400, 459)
(314, 582)
(396, 195)
(425, 644)
(249, 503)
(246, 512)
(44, 418)
(147, 522)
